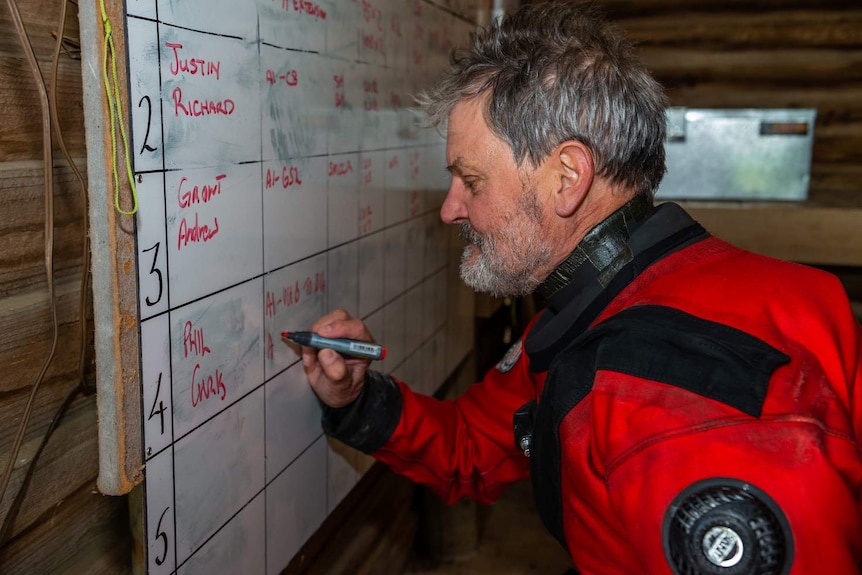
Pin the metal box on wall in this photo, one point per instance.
(745, 154)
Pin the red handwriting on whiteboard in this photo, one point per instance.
(289, 176)
(393, 162)
(395, 26)
(289, 78)
(415, 201)
(193, 66)
(372, 14)
(196, 232)
(369, 87)
(367, 171)
(374, 43)
(340, 168)
(372, 38)
(414, 157)
(205, 386)
(366, 219)
(339, 90)
(270, 349)
(304, 7)
(198, 194)
(292, 293)
(196, 108)
(433, 38)
(193, 341)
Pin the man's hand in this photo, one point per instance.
(336, 380)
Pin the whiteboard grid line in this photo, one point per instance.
(357, 151)
(189, 29)
(167, 290)
(263, 319)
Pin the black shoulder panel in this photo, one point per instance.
(673, 347)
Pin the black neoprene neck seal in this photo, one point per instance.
(605, 247)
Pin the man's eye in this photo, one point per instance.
(470, 184)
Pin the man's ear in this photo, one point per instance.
(575, 170)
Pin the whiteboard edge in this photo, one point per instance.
(114, 449)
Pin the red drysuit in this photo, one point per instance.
(706, 419)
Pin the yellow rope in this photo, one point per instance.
(115, 113)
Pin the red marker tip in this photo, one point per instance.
(285, 334)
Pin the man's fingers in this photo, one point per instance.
(333, 365)
(324, 324)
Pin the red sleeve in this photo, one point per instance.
(465, 447)
(808, 488)
(801, 457)
(652, 441)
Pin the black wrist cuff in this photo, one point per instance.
(368, 422)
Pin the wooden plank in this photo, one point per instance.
(21, 112)
(838, 149)
(49, 397)
(630, 8)
(68, 461)
(735, 31)
(40, 18)
(814, 235)
(25, 336)
(833, 105)
(393, 548)
(775, 68)
(22, 242)
(83, 525)
(356, 526)
(842, 182)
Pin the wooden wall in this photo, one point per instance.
(709, 53)
(764, 54)
(53, 520)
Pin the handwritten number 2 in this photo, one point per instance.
(161, 410)
(157, 271)
(146, 147)
(164, 537)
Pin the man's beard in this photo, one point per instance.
(514, 272)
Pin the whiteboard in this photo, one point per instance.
(280, 174)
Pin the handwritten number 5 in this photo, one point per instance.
(164, 537)
(146, 147)
(157, 271)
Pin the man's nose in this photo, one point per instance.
(454, 210)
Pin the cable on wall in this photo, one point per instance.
(50, 117)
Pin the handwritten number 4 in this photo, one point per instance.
(161, 410)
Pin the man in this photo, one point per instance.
(682, 406)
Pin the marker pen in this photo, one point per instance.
(349, 347)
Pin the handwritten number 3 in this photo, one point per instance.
(157, 271)
(164, 537)
(146, 147)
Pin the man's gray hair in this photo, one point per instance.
(559, 71)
